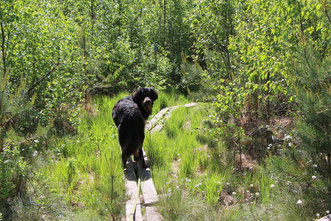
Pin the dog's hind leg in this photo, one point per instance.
(125, 155)
(142, 159)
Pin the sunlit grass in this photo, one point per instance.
(85, 169)
(192, 173)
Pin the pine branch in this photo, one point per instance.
(43, 78)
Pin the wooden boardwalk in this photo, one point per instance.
(138, 181)
(141, 193)
(159, 120)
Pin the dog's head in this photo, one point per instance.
(145, 97)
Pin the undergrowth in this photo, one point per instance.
(80, 176)
(199, 179)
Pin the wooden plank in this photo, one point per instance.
(190, 104)
(158, 121)
(325, 218)
(132, 191)
(138, 215)
(152, 214)
(149, 194)
(132, 207)
(148, 188)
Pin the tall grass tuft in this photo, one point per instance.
(87, 167)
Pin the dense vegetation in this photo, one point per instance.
(258, 148)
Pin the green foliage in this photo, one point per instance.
(13, 166)
(202, 182)
(212, 24)
(242, 55)
(13, 171)
(311, 76)
(86, 168)
(248, 48)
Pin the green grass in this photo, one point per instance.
(193, 174)
(82, 174)
(81, 178)
(86, 168)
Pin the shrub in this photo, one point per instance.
(12, 172)
(311, 77)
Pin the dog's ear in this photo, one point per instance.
(137, 95)
(152, 94)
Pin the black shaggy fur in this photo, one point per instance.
(129, 115)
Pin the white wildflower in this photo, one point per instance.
(187, 179)
(287, 137)
(272, 185)
(299, 202)
(313, 177)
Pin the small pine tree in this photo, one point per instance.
(12, 105)
(311, 77)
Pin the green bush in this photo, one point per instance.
(13, 171)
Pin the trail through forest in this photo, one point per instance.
(250, 65)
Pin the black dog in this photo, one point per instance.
(129, 115)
